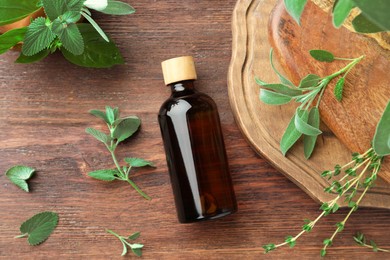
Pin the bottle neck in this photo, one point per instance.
(183, 87)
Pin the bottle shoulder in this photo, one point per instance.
(196, 101)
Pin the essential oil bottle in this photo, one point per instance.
(194, 147)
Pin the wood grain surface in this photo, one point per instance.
(43, 116)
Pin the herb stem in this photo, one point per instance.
(22, 235)
(350, 65)
(143, 194)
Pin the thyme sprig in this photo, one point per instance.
(360, 239)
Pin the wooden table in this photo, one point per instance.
(44, 111)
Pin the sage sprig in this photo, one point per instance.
(306, 119)
(120, 129)
(359, 175)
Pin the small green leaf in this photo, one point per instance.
(137, 246)
(338, 89)
(71, 39)
(126, 128)
(39, 227)
(11, 38)
(309, 142)
(302, 126)
(102, 137)
(310, 80)
(269, 247)
(273, 98)
(110, 114)
(322, 55)
(137, 251)
(137, 162)
(374, 246)
(118, 8)
(104, 175)
(291, 134)
(15, 10)
(280, 88)
(96, 26)
(341, 11)
(34, 58)
(377, 11)
(134, 236)
(38, 37)
(323, 252)
(283, 79)
(56, 8)
(124, 251)
(381, 141)
(295, 8)
(362, 24)
(19, 174)
(99, 114)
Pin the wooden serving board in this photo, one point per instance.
(263, 125)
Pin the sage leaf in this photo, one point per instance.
(12, 11)
(377, 11)
(322, 55)
(137, 162)
(341, 11)
(39, 227)
(34, 58)
(102, 137)
(126, 128)
(99, 114)
(302, 126)
(118, 8)
(96, 26)
(283, 79)
(309, 142)
(381, 141)
(362, 24)
(310, 80)
(19, 174)
(273, 98)
(97, 52)
(295, 8)
(11, 38)
(291, 134)
(338, 89)
(104, 175)
(38, 37)
(280, 88)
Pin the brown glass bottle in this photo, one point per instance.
(195, 149)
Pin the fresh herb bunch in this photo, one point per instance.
(374, 15)
(360, 173)
(120, 129)
(83, 44)
(360, 239)
(135, 248)
(306, 119)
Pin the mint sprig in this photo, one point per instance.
(135, 248)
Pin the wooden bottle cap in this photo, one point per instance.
(178, 69)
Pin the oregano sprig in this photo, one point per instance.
(306, 119)
(120, 129)
(135, 248)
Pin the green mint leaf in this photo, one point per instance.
(97, 52)
(137, 251)
(39, 227)
(310, 80)
(362, 24)
(38, 37)
(126, 128)
(309, 142)
(11, 38)
(291, 134)
(295, 8)
(12, 10)
(104, 175)
(341, 10)
(71, 17)
(116, 113)
(377, 11)
(96, 26)
(381, 141)
(56, 8)
(282, 79)
(280, 88)
(134, 236)
(102, 137)
(137, 162)
(273, 98)
(110, 114)
(34, 58)
(338, 89)
(19, 174)
(71, 39)
(322, 55)
(302, 126)
(118, 8)
(120, 120)
(99, 114)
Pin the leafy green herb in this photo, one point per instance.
(360, 239)
(361, 172)
(295, 8)
(309, 88)
(12, 11)
(341, 10)
(381, 141)
(34, 58)
(120, 129)
(376, 11)
(19, 174)
(135, 248)
(118, 8)
(39, 227)
(11, 38)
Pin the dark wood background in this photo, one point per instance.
(44, 111)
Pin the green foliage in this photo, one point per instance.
(273, 98)
(282, 78)
(322, 55)
(376, 11)
(34, 58)
(19, 174)
(118, 8)
(11, 38)
(120, 129)
(38, 37)
(135, 248)
(381, 141)
(338, 89)
(362, 24)
(309, 81)
(39, 227)
(14, 10)
(295, 8)
(341, 10)
(309, 141)
(360, 239)
(291, 134)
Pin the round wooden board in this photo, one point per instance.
(263, 125)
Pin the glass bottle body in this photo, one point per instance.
(196, 155)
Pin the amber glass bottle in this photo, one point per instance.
(194, 147)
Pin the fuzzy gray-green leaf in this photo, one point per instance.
(96, 26)
(302, 126)
(99, 114)
(311, 80)
(38, 37)
(102, 137)
(322, 55)
(126, 128)
(309, 142)
(280, 88)
(282, 78)
(381, 141)
(118, 8)
(273, 98)
(291, 134)
(341, 11)
(19, 174)
(295, 8)
(39, 227)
